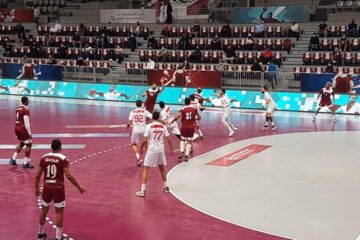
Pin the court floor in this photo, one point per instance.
(298, 182)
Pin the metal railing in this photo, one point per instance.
(87, 74)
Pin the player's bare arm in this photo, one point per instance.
(129, 125)
(27, 126)
(73, 180)
(37, 181)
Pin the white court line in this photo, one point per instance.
(95, 126)
(358, 238)
(45, 146)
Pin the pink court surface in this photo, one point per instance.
(101, 159)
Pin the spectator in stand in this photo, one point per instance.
(343, 43)
(150, 64)
(88, 53)
(329, 68)
(260, 29)
(314, 43)
(195, 30)
(337, 57)
(80, 60)
(166, 31)
(132, 43)
(294, 31)
(8, 51)
(215, 43)
(196, 56)
(119, 54)
(163, 55)
(19, 30)
(37, 13)
(267, 56)
(230, 55)
(183, 42)
(107, 30)
(101, 41)
(256, 67)
(152, 43)
(82, 31)
(30, 41)
(322, 29)
(185, 65)
(162, 16)
(137, 29)
(249, 43)
(51, 60)
(272, 74)
(225, 30)
(352, 29)
(62, 51)
(21, 41)
(56, 28)
(76, 40)
(169, 12)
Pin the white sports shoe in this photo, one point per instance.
(140, 194)
(231, 133)
(235, 128)
(273, 128)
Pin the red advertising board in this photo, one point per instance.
(14, 15)
(238, 155)
(185, 78)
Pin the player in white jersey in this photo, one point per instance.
(195, 103)
(166, 117)
(225, 103)
(137, 120)
(155, 133)
(270, 106)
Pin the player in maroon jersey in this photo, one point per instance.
(152, 95)
(54, 165)
(325, 100)
(23, 133)
(188, 116)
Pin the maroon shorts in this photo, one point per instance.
(53, 193)
(325, 103)
(21, 134)
(187, 132)
(150, 108)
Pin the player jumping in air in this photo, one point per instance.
(54, 165)
(270, 106)
(137, 120)
(23, 133)
(188, 116)
(167, 117)
(151, 95)
(325, 100)
(155, 133)
(225, 103)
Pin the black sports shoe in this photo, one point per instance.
(42, 236)
(27, 166)
(181, 157)
(186, 159)
(12, 162)
(166, 189)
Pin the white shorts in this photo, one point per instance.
(154, 159)
(137, 137)
(270, 109)
(57, 205)
(174, 128)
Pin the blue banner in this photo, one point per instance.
(270, 14)
(285, 101)
(342, 83)
(32, 71)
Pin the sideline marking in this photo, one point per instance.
(45, 146)
(95, 126)
(80, 135)
(238, 155)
